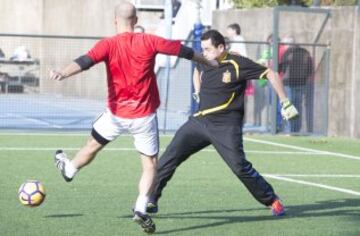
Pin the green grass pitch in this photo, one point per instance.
(318, 180)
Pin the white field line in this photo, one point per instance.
(56, 148)
(162, 149)
(85, 133)
(55, 133)
(316, 175)
(336, 189)
(304, 149)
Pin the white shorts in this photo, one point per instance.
(144, 130)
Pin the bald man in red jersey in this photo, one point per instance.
(133, 99)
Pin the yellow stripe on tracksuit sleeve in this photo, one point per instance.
(217, 108)
(235, 65)
(263, 74)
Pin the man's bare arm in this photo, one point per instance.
(196, 81)
(288, 110)
(196, 84)
(277, 84)
(70, 70)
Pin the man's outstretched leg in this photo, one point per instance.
(145, 188)
(68, 168)
(146, 141)
(230, 147)
(189, 139)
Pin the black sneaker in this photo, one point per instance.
(152, 207)
(60, 159)
(144, 220)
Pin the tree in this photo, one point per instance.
(269, 3)
(339, 2)
(273, 3)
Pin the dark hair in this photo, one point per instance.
(269, 38)
(215, 37)
(235, 27)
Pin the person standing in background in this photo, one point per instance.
(296, 68)
(234, 35)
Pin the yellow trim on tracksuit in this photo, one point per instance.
(263, 74)
(217, 108)
(222, 57)
(235, 65)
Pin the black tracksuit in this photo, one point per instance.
(218, 122)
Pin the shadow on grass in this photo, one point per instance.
(63, 215)
(337, 207)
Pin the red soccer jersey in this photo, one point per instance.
(130, 60)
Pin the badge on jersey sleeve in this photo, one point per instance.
(226, 77)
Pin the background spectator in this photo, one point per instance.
(296, 68)
(234, 34)
(266, 58)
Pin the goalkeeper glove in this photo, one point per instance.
(196, 97)
(288, 110)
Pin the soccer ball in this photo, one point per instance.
(31, 193)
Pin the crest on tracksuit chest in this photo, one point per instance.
(226, 77)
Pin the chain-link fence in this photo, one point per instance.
(301, 56)
(30, 100)
(304, 71)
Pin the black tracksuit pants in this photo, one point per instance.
(196, 134)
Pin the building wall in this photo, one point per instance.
(21, 16)
(355, 108)
(342, 83)
(75, 17)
